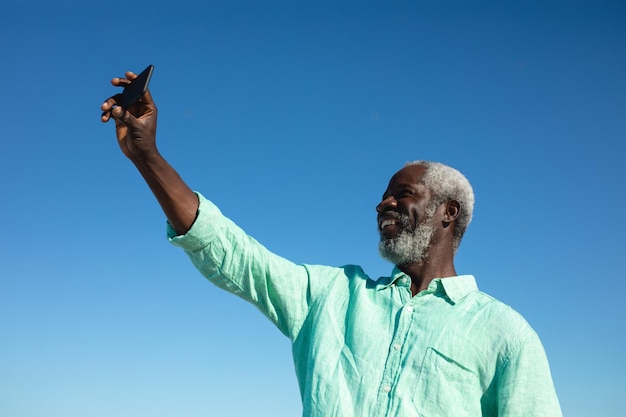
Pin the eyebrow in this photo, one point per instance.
(415, 187)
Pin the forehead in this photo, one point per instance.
(409, 175)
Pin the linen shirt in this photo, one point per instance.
(364, 347)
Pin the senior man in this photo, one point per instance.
(423, 341)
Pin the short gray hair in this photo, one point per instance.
(446, 183)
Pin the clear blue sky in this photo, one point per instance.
(292, 116)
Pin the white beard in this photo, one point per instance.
(410, 246)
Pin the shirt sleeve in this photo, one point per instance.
(525, 386)
(237, 263)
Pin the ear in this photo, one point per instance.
(452, 210)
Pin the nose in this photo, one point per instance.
(386, 204)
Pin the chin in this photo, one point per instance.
(407, 247)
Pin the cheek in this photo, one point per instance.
(424, 215)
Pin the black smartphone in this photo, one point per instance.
(137, 87)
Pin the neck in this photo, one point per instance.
(422, 273)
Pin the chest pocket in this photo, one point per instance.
(445, 387)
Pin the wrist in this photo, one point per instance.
(147, 158)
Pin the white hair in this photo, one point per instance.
(446, 183)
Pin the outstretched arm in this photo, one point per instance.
(136, 135)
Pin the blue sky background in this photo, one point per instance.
(292, 116)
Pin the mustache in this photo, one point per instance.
(403, 218)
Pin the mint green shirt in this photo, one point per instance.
(364, 347)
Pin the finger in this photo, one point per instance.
(110, 102)
(123, 116)
(120, 82)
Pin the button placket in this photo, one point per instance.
(394, 358)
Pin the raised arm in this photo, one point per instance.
(136, 136)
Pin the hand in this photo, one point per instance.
(135, 126)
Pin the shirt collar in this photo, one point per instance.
(459, 286)
(386, 282)
(455, 287)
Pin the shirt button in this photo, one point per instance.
(387, 388)
(409, 309)
(397, 346)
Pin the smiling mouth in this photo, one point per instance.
(388, 222)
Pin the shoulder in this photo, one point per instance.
(499, 321)
(491, 306)
(346, 275)
(347, 280)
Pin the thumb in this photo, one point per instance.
(123, 116)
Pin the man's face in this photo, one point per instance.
(405, 218)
